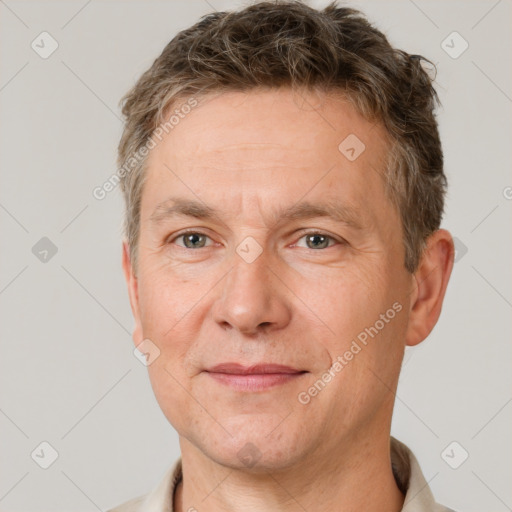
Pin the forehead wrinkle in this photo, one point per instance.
(175, 206)
(248, 146)
(254, 157)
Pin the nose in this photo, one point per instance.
(253, 298)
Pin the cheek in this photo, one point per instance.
(368, 363)
(172, 309)
(368, 314)
(173, 400)
(164, 300)
(352, 302)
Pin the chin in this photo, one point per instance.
(257, 444)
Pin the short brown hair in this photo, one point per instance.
(289, 44)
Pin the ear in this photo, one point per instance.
(133, 292)
(430, 282)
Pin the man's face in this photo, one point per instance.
(250, 285)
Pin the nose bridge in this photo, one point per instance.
(252, 298)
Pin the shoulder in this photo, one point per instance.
(411, 481)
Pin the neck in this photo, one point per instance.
(357, 477)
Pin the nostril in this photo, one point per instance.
(225, 325)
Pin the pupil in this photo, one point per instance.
(193, 239)
(314, 238)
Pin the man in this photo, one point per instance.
(284, 188)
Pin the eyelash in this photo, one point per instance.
(309, 233)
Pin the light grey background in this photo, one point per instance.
(68, 373)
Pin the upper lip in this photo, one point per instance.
(240, 369)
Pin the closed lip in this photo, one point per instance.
(257, 369)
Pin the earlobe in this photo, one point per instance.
(431, 280)
(133, 292)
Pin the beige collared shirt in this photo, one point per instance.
(408, 475)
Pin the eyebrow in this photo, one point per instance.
(179, 207)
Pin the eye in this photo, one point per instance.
(191, 240)
(198, 240)
(318, 240)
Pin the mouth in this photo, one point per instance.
(253, 378)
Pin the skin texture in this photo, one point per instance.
(249, 156)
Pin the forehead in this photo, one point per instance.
(278, 123)
(271, 146)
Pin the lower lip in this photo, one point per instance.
(254, 382)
